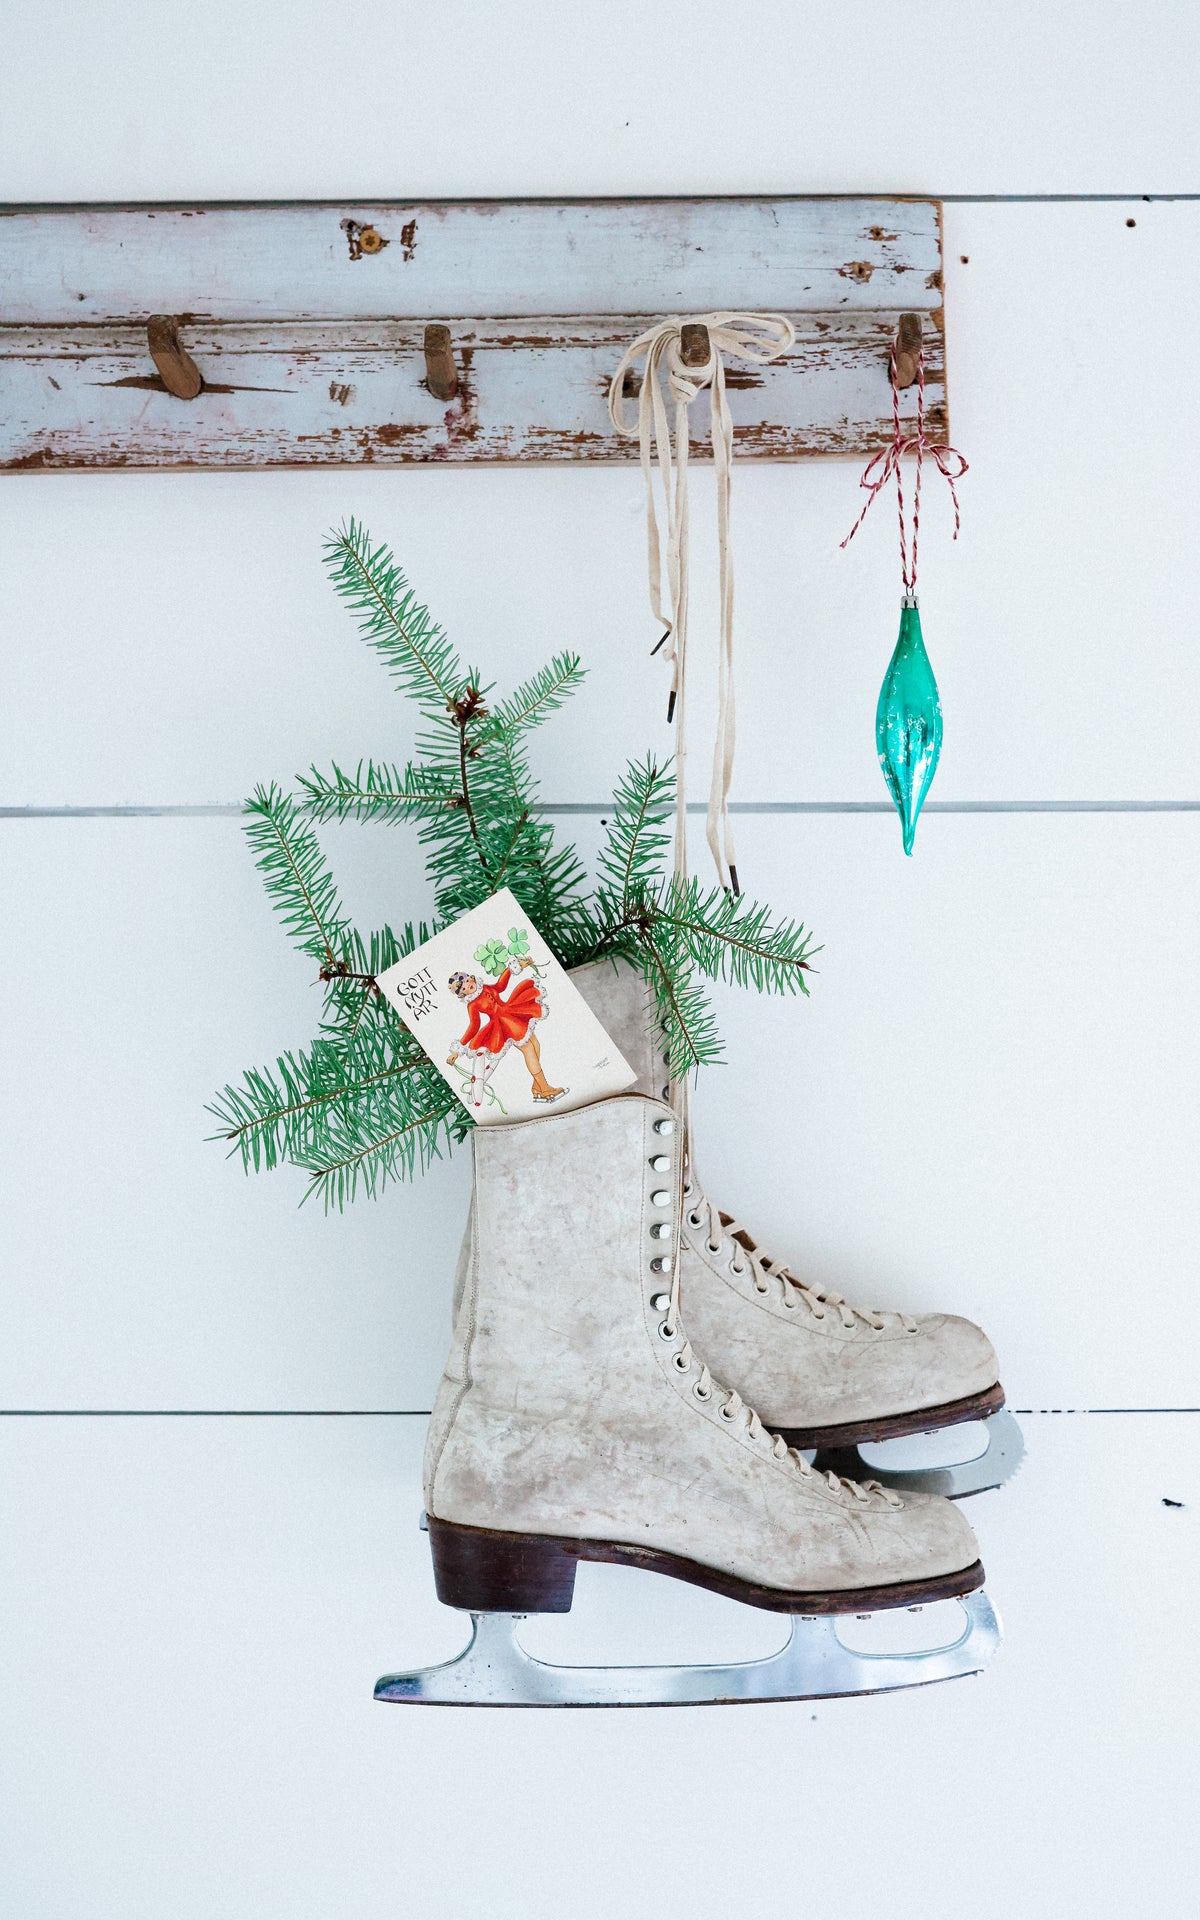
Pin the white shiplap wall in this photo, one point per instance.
(995, 1105)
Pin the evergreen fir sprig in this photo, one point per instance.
(685, 1017)
(374, 791)
(731, 938)
(390, 617)
(400, 1136)
(289, 857)
(538, 698)
(363, 1105)
(283, 1112)
(637, 842)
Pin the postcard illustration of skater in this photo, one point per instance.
(499, 1017)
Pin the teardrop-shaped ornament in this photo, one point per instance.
(908, 722)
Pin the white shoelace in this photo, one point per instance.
(732, 1406)
(727, 1235)
(757, 337)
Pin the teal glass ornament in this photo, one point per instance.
(908, 722)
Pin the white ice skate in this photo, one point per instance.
(826, 1375)
(575, 1422)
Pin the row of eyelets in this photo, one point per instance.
(661, 1229)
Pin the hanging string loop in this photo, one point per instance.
(759, 338)
(885, 465)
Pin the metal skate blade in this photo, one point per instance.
(494, 1670)
(997, 1463)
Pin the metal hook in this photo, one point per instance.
(695, 347)
(441, 374)
(908, 349)
(177, 370)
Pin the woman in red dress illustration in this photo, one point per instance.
(497, 1024)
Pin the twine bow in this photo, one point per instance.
(881, 467)
(751, 336)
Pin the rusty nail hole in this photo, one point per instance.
(965, 258)
(1131, 223)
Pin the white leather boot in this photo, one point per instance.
(575, 1421)
(821, 1372)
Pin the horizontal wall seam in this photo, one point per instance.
(232, 808)
(406, 1413)
(581, 199)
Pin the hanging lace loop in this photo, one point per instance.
(755, 337)
(886, 465)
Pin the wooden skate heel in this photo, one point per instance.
(486, 1572)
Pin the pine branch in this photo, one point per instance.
(637, 840)
(351, 995)
(390, 618)
(731, 938)
(374, 791)
(278, 1114)
(391, 1146)
(363, 1105)
(686, 1020)
(541, 696)
(289, 857)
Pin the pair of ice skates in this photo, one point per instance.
(577, 1419)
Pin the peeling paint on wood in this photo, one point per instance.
(355, 392)
(307, 326)
(60, 265)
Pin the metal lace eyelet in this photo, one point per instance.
(760, 1286)
(734, 1268)
(660, 1199)
(724, 1412)
(659, 1266)
(664, 1126)
(665, 1330)
(711, 1248)
(660, 1302)
(816, 1315)
(680, 1364)
(659, 1163)
(661, 1230)
(693, 1219)
(702, 1393)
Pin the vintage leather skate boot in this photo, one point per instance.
(575, 1422)
(821, 1372)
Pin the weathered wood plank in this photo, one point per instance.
(352, 392)
(63, 265)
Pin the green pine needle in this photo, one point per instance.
(363, 1106)
(638, 839)
(294, 873)
(391, 619)
(542, 695)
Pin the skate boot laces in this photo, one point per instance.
(732, 1408)
(727, 1235)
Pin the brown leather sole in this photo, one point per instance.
(484, 1571)
(974, 1406)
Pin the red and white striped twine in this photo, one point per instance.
(882, 465)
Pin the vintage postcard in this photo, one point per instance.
(499, 1018)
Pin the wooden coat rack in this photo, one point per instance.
(318, 334)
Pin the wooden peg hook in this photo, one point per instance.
(908, 349)
(177, 370)
(695, 347)
(441, 374)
